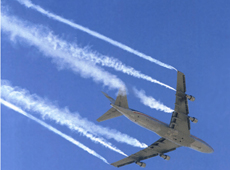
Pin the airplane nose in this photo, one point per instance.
(210, 150)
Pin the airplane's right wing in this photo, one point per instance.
(159, 147)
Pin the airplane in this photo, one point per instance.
(173, 135)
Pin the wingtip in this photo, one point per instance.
(98, 120)
(104, 93)
(113, 165)
(180, 73)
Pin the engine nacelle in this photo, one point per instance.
(141, 164)
(190, 97)
(193, 119)
(165, 157)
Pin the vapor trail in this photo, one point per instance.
(112, 63)
(38, 37)
(29, 4)
(60, 54)
(71, 54)
(70, 139)
(46, 109)
(151, 102)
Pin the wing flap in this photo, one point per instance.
(180, 121)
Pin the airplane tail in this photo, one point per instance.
(120, 101)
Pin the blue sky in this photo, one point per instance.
(193, 37)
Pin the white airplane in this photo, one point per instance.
(174, 135)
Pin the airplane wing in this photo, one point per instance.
(159, 147)
(180, 120)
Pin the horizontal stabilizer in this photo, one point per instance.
(111, 113)
(110, 98)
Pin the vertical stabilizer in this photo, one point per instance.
(121, 100)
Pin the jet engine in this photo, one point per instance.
(165, 157)
(141, 164)
(193, 119)
(190, 97)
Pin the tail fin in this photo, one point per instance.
(120, 101)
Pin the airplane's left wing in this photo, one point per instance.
(157, 148)
(180, 119)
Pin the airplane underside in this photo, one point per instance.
(173, 135)
(162, 129)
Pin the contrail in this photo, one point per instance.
(29, 4)
(110, 62)
(71, 54)
(64, 59)
(36, 104)
(37, 37)
(151, 102)
(70, 139)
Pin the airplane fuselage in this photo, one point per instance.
(163, 130)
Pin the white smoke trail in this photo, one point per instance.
(70, 139)
(72, 53)
(36, 104)
(151, 102)
(37, 37)
(29, 4)
(113, 63)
